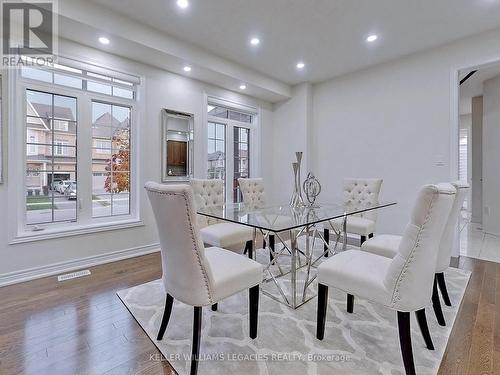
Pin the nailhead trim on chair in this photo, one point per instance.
(395, 295)
(205, 276)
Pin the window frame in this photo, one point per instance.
(253, 143)
(19, 230)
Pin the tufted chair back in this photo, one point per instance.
(360, 193)
(411, 273)
(207, 194)
(186, 273)
(446, 245)
(253, 192)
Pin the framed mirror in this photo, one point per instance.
(177, 145)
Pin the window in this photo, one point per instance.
(46, 156)
(61, 125)
(59, 150)
(229, 126)
(110, 159)
(216, 151)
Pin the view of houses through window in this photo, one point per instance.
(52, 172)
(228, 126)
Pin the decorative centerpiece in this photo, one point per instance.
(296, 200)
(312, 188)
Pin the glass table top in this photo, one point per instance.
(280, 218)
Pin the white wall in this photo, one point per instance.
(491, 156)
(292, 123)
(394, 121)
(162, 90)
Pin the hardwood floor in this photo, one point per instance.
(81, 327)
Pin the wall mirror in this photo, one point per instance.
(177, 145)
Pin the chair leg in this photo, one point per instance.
(424, 328)
(362, 240)
(271, 246)
(253, 299)
(405, 342)
(249, 249)
(322, 306)
(370, 235)
(166, 316)
(442, 287)
(196, 340)
(350, 303)
(214, 307)
(326, 236)
(436, 304)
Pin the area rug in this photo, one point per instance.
(365, 342)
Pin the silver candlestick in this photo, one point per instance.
(296, 199)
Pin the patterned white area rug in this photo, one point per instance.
(365, 342)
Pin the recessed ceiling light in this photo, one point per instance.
(255, 41)
(187, 68)
(371, 38)
(300, 65)
(183, 4)
(243, 87)
(103, 40)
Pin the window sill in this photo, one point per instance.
(48, 234)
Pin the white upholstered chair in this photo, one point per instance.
(387, 246)
(190, 274)
(254, 196)
(236, 237)
(403, 283)
(359, 193)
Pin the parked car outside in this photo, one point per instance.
(70, 191)
(53, 185)
(61, 187)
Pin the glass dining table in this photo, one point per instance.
(301, 246)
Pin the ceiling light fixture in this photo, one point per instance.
(300, 65)
(371, 38)
(255, 41)
(187, 68)
(103, 40)
(183, 4)
(243, 87)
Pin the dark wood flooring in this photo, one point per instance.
(81, 327)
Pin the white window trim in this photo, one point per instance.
(255, 139)
(18, 229)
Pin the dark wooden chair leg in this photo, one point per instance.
(322, 306)
(195, 352)
(214, 307)
(271, 246)
(249, 249)
(253, 299)
(405, 342)
(326, 236)
(436, 304)
(442, 287)
(424, 328)
(362, 240)
(370, 235)
(350, 303)
(166, 316)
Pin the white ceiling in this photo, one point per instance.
(329, 35)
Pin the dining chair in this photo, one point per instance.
(404, 283)
(254, 197)
(387, 245)
(190, 274)
(210, 194)
(359, 193)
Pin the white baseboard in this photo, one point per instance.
(72, 265)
